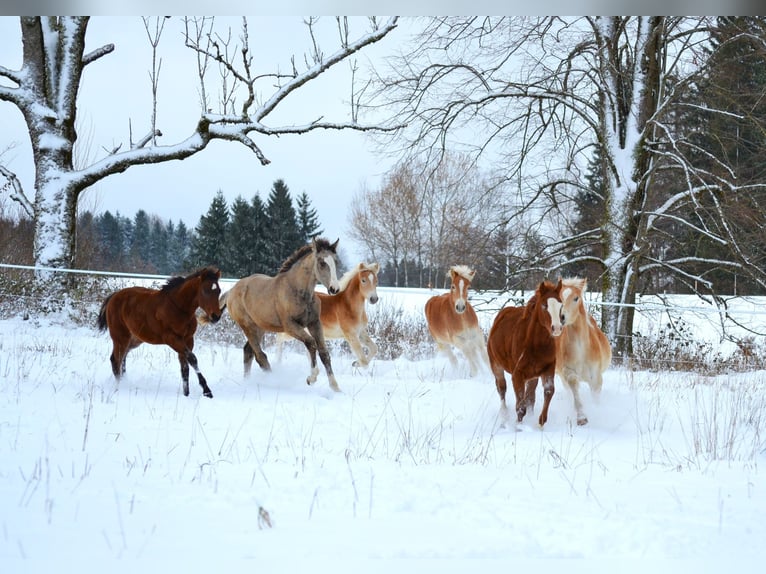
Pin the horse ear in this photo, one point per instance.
(375, 267)
(471, 274)
(335, 245)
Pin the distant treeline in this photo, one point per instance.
(242, 238)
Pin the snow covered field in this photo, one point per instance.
(406, 470)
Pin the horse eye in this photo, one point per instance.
(214, 288)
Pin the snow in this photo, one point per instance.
(406, 468)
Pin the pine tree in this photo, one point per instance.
(209, 242)
(158, 245)
(242, 255)
(308, 221)
(112, 241)
(282, 232)
(181, 249)
(140, 252)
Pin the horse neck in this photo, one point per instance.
(354, 288)
(186, 295)
(302, 273)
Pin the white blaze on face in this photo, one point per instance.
(334, 285)
(460, 303)
(554, 310)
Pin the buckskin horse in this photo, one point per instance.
(287, 303)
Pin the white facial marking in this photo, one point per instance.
(554, 310)
(566, 293)
(334, 284)
(460, 303)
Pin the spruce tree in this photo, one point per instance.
(282, 232)
(112, 241)
(241, 257)
(260, 245)
(140, 255)
(308, 221)
(158, 245)
(209, 242)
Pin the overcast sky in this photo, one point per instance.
(116, 96)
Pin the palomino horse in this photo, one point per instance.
(167, 316)
(522, 342)
(452, 321)
(286, 303)
(343, 315)
(582, 351)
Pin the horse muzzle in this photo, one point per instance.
(373, 299)
(333, 290)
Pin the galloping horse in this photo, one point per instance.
(452, 320)
(343, 315)
(136, 315)
(287, 303)
(522, 342)
(582, 351)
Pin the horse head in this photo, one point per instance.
(326, 263)
(572, 299)
(368, 281)
(549, 309)
(461, 277)
(209, 294)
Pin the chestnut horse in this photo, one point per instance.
(343, 315)
(522, 342)
(167, 316)
(583, 352)
(453, 322)
(287, 303)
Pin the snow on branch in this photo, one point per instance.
(17, 191)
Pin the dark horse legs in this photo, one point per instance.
(188, 358)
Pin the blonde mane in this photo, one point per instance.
(464, 271)
(351, 273)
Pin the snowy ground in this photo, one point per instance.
(407, 469)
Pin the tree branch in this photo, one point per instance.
(17, 191)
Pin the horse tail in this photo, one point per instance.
(101, 321)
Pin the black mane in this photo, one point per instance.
(322, 245)
(206, 273)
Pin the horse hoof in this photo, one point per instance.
(582, 421)
(208, 394)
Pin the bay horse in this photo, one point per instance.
(286, 303)
(452, 321)
(343, 315)
(583, 352)
(165, 316)
(522, 342)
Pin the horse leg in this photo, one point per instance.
(184, 361)
(372, 348)
(191, 359)
(317, 336)
(548, 390)
(526, 391)
(571, 381)
(356, 346)
(446, 348)
(518, 389)
(502, 386)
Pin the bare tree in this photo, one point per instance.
(544, 96)
(45, 91)
(435, 219)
